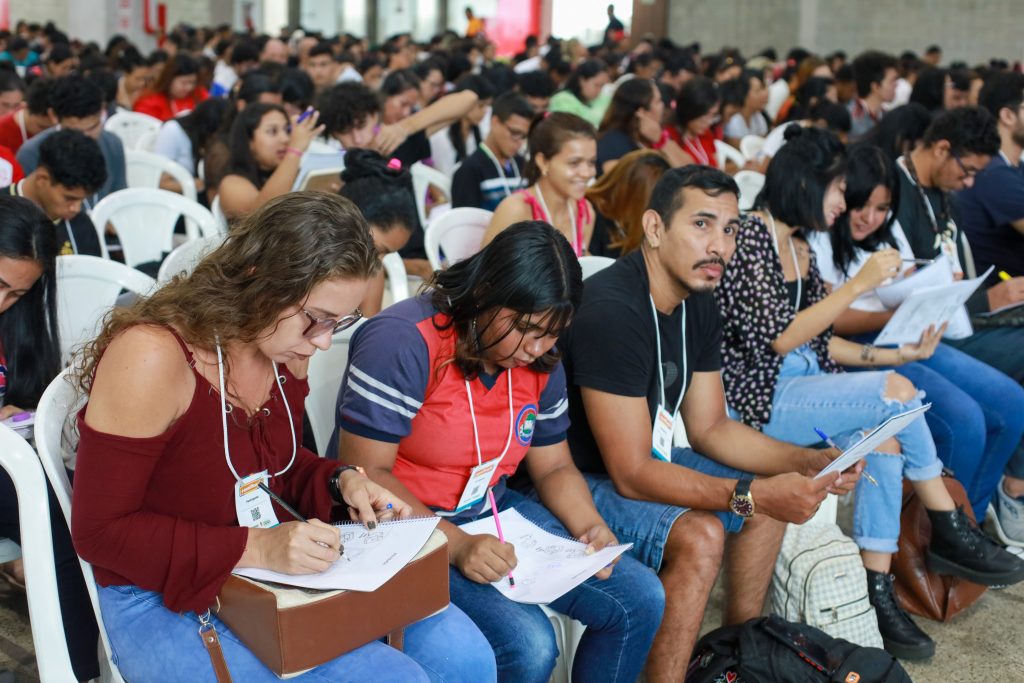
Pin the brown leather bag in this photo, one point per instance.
(292, 629)
(919, 591)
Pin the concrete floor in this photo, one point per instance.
(983, 644)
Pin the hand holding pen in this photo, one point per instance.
(832, 444)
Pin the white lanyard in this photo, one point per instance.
(501, 171)
(476, 433)
(796, 261)
(576, 247)
(20, 118)
(224, 415)
(697, 151)
(661, 370)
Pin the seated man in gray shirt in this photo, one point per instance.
(77, 104)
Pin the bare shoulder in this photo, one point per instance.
(511, 210)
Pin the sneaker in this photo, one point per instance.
(959, 548)
(1008, 519)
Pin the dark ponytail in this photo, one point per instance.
(382, 190)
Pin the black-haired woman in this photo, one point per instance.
(29, 360)
(697, 112)
(633, 121)
(176, 90)
(584, 94)
(464, 383)
(450, 147)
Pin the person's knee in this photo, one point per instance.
(695, 545)
(899, 388)
(890, 447)
(531, 655)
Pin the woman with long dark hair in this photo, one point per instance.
(781, 368)
(583, 94)
(176, 90)
(465, 382)
(562, 164)
(199, 387)
(449, 147)
(620, 198)
(29, 360)
(977, 413)
(697, 113)
(265, 153)
(633, 121)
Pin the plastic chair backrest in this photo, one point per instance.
(145, 168)
(594, 264)
(398, 279)
(147, 141)
(144, 219)
(326, 371)
(750, 184)
(750, 145)
(130, 126)
(88, 287)
(57, 409)
(423, 177)
(777, 96)
(185, 257)
(318, 179)
(458, 233)
(218, 216)
(725, 152)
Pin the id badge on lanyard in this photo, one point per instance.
(252, 504)
(661, 439)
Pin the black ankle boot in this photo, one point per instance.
(959, 548)
(900, 635)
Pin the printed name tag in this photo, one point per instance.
(252, 504)
(661, 439)
(476, 487)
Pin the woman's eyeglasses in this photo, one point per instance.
(318, 326)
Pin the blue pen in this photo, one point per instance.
(305, 115)
(827, 439)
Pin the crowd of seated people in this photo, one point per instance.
(748, 327)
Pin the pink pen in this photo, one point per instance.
(501, 536)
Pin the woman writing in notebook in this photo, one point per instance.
(449, 394)
(196, 392)
(563, 158)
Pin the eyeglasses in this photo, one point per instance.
(969, 172)
(516, 134)
(318, 326)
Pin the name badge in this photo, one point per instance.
(476, 487)
(252, 504)
(661, 439)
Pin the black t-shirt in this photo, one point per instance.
(415, 148)
(612, 146)
(477, 183)
(610, 347)
(76, 236)
(605, 232)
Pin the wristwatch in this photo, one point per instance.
(742, 502)
(333, 482)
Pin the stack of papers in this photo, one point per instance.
(888, 429)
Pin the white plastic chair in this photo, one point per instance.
(57, 406)
(725, 152)
(144, 220)
(750, 183)
(594, 264)
(458, 233)
(750, 145)
(147, 141)
(315, 178)
(326, 370)
(184, 258)
(144, 169)
(398, 279)
(130, 126)
(218, 216)
(88, 287)
(423, 177)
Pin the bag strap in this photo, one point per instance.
(396, 638)
(208, 632)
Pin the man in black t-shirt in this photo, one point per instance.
(70, 169)
(628, 374)
(492, 172)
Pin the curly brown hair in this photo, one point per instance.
(269, 262)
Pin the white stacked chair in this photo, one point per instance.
(130, 126)
(144, 220)
(144, 169)
(398, 279)
(185, 256)
(750, 183)
(459, 233)
(147, 141)
(724, 152)
(750, 145)
(423, 177)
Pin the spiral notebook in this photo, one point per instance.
(549, 565)
(368, 560)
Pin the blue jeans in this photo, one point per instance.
(844, 406)
(621, 613)
(152, 643)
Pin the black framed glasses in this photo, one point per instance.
(318, 326)
(969, 172)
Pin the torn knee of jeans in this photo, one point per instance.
(918, 394)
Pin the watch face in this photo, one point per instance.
(742, 506)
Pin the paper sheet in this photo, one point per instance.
(549, 566)
(369, 559)
(931, 306)
(888, 429)
(939, 272)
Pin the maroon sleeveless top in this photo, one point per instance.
(159, 512)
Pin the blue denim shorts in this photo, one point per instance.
(646, 524)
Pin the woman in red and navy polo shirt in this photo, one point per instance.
(464, 382)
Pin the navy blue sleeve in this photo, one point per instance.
(552, 411)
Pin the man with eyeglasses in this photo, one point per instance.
(493, 171)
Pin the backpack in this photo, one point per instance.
(772, 650)
(819, 580)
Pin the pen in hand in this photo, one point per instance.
(501, 536)
(832, 444)
(287, 508)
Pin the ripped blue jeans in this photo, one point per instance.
(844, 406)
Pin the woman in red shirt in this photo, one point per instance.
(175, 92)
(697, 109)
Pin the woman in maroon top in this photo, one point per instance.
(198, 389)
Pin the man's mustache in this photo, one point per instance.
(716, 261)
